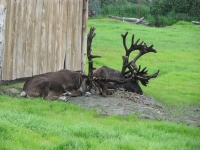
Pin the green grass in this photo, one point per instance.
(39, 124)
(177, 57)
(15, 84)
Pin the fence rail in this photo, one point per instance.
(42, 35)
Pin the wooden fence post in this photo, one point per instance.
(84, 34)
(2, 32)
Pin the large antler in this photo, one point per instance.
(100, 84)
(131, 66)
(96, 83)
(90, 37)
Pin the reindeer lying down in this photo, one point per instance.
(105, 78)
(56, 85)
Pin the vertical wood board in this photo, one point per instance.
(42, 36)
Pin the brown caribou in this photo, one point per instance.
(56, 85)
(105, 78)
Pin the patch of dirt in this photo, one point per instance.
(124, 103)
(143, 106)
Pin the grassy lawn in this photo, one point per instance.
(39, 124)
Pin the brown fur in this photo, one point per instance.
(52, 85)
(106, 72)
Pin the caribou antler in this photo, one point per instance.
(100, 84)
(90, 37)
(97, 83)
(143, 77)
(123, 79)
(131, 66)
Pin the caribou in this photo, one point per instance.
(104, 79)
(56, 85)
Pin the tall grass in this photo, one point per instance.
(125, 10)
(177, 57)
(39, 124)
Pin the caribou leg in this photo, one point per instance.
(66, 94)
(74, 93)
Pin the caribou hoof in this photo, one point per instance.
(63, 98)
(87, 94)
(23, 94)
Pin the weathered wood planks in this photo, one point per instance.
(40, 35)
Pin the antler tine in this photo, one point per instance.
(142, 47)
(124, 41)
(134, 46)
(143, 51)
(125, 62)
(90, 37)
(150, 48)
(141, 76)
(126, 65)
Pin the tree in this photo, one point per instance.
(181, 6)
(161, 7)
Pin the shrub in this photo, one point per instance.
(158, 13)
(170, 18)
(125, 10)
(151, 20)
(94, 5)
(182, 16)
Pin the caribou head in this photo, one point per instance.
(105, 79)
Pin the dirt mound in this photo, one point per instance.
(124, 103)
(143, 106)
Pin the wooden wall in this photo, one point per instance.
(2, 33)
(40, 35)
